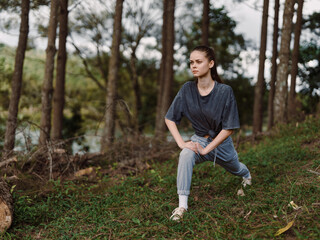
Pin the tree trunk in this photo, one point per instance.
(136, 89)
(6, 207)
(294, 65)
(58, 96)
(167, 68)
(259, 89)
(205, 23)
(47, 88)
(274, 63)
(281, 94)
(109, 130)
(162, 65)
(11, 124)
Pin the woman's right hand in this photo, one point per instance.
(191, 145)
(172, 126)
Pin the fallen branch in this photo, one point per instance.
(6, 207)
(83, 172)
(311, 171)
(6, 162)
(11, 178)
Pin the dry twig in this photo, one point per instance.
(6, 162)
(311, 171)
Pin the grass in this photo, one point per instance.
(139, 206)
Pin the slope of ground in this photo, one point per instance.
(285, 167)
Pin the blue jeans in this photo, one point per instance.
(225, 155)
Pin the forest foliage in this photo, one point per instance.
(88, 61)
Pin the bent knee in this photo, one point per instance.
(186, 152)
(186, 155)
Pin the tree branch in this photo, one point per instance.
(86, 65)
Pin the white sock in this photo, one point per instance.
(183, 201)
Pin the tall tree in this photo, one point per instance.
(166, 68)
(162, 65)
(294, 63)
(260, 86)
(11, 124)
(109, 130)
(59, 92)
(141, 24)
(281, 94)
(47, 87)
(274, 63)
(205, 23)
(310, 73)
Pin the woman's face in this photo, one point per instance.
(199, 64)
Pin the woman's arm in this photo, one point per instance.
(172, 126)
(215, 142)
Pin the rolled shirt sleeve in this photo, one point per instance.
(230, 115)
(175, 111)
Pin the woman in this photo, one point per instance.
(211, 108)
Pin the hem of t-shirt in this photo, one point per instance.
(231, 128)
(176, 122)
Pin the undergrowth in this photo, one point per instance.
(283, 165)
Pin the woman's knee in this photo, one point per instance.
(187, 156)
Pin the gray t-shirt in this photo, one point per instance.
(208, 114)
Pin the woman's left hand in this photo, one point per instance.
(201, 150)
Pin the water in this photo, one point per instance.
(28, 137)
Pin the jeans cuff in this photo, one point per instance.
(184, 192)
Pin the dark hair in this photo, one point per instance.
(210, 56)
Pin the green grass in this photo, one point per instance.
(139, 206)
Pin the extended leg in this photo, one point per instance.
(227, 157)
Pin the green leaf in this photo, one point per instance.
(136, 220)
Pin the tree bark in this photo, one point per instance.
(205, 23)
(6, 207)
(47, 88)
(59, 92)
(162, 65)
(136, 89)
(11, 124)
(274, 63)
(281, 94)
(292, 111)
(259, 89)
(109, 130)
(167, 68)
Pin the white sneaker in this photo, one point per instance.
(246, 181)
(177, 214)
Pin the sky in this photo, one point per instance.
(249, 21)
(247, 16)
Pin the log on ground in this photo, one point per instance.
(6, 206)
